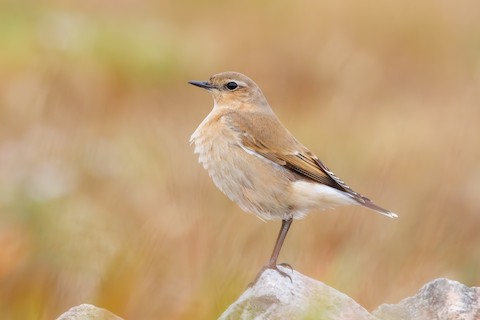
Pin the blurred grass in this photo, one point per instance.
(102, 200)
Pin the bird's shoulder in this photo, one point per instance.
(262, 129)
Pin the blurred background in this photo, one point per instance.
(102, 200)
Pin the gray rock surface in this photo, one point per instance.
(276, 297)
(88, 312)
(441, 299)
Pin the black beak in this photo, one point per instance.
(202, 84)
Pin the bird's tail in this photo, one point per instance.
(364, 201)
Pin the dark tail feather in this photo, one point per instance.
(369, 204)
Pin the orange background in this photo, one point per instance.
(102, 200)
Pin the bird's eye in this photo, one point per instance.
(231, 86)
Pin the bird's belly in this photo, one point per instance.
(256, 184)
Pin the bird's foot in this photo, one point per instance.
(285, 265)
(273, 267)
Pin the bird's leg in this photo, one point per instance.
(278, 245)
(272, 264)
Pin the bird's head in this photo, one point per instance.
(234, 90)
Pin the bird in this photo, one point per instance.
(257, 163)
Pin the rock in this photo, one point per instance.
(276, 297)
(88, 312)
(440, 299)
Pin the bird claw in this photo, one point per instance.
(286, 265)
(274, 267)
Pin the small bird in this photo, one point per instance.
(259, 164)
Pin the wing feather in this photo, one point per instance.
(283, 149)
(302, 163)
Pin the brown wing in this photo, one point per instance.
(297, 162)
(274, 142)
(304, 163)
